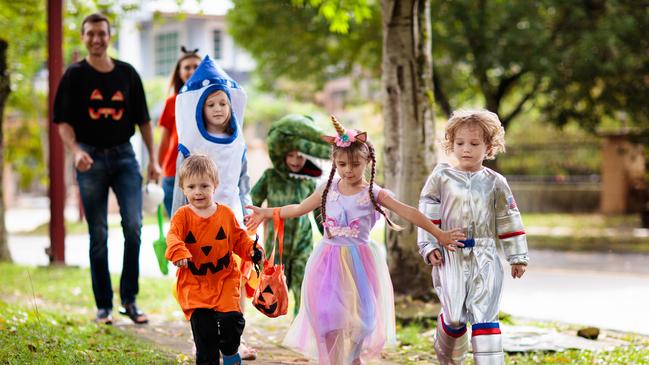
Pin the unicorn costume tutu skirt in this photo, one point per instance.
(347, 307)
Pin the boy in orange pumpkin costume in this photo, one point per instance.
(202, 239)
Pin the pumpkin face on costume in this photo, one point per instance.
(266, 301)
(211, 257)
(106, 107)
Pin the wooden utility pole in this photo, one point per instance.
(56, 161)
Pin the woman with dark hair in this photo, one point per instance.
(168, 149)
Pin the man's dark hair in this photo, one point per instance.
(95, 18)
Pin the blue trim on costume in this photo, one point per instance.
(451, 330)
(184, 150)
(468, 243)
(243, 157)
(201, 123)
(486, 325)
(208, 73)
(232, 360)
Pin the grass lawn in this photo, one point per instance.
(580, 221)
(46, 318)
(586, 232)
(28, 336)
(417, 349)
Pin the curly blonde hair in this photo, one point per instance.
(492, 130)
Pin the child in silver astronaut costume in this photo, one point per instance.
(469, 279)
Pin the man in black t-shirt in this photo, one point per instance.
(98, 103)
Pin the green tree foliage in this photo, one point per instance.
(583, 61)
(577, 61)
(306, 40)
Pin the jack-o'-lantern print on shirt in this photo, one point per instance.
(212, 278)
(106, 107)
(208, 257)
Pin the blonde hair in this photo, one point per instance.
(198, 166)
(492, 130)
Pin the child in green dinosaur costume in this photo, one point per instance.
(294, 143)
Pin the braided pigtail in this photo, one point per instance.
(323, 203)
(374, 202)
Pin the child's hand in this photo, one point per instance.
(435, 257)
(258, 216)
(518, 270)
(181, 263)
(449, 239)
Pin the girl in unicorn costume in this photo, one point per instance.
(227, 149)
(347, 307)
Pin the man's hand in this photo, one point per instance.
(518, 270)
(82, 160)
(435, 257)
(154, 171)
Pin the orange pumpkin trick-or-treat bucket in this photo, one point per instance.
(271, 295)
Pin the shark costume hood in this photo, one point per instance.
(228, 153)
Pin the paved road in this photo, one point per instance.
(597, 289)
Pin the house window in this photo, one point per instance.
(166, 52)
(218, 44)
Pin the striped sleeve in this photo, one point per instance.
(509, 225)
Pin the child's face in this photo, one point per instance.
(187, 68)
(216, 112)
(469, 148)
(295, 161)
(199, 191)
(350, 170)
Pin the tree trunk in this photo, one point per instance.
(409, 130)
(4, 93)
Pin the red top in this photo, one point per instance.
(168, 120)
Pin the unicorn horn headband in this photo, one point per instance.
(344, 137)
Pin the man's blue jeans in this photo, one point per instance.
(116, 168)
(168, 183)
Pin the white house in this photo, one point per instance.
(150, 39)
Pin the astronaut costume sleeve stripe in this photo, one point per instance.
(510, 234)
(509, 225)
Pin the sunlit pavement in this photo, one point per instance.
(597, 289)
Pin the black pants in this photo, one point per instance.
(216, 331)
